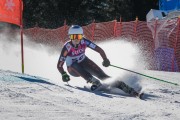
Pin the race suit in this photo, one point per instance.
(78, 64)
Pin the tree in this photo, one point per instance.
(52, 13)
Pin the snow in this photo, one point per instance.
(40, 94)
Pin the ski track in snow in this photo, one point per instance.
(30, 97)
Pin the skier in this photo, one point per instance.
(78, 64)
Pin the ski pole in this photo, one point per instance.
(145, 75)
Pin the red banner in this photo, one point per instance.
(11, 11)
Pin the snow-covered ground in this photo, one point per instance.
(40, 94)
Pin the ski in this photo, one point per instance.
(126, 89)
(105, 88)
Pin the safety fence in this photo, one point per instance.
(159, 41)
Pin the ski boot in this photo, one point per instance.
(95, 83)
(94, 87)
(141, 96)
(127, 89)
(138, 95)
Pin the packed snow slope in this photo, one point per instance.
(40, 94)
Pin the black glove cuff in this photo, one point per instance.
(63, 73)
(105, 59)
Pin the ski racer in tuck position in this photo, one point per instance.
(78, 64)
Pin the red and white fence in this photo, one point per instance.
(161, 50)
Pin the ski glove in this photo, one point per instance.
(65, 77)
(106, 62)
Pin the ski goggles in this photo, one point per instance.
(76, 36)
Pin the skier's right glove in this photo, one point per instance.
(65, 77)
(106, 62)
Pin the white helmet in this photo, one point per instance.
(75, 29)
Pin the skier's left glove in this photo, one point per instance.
(65, 77)
(106, 62)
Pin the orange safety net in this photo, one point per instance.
(157, 45)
